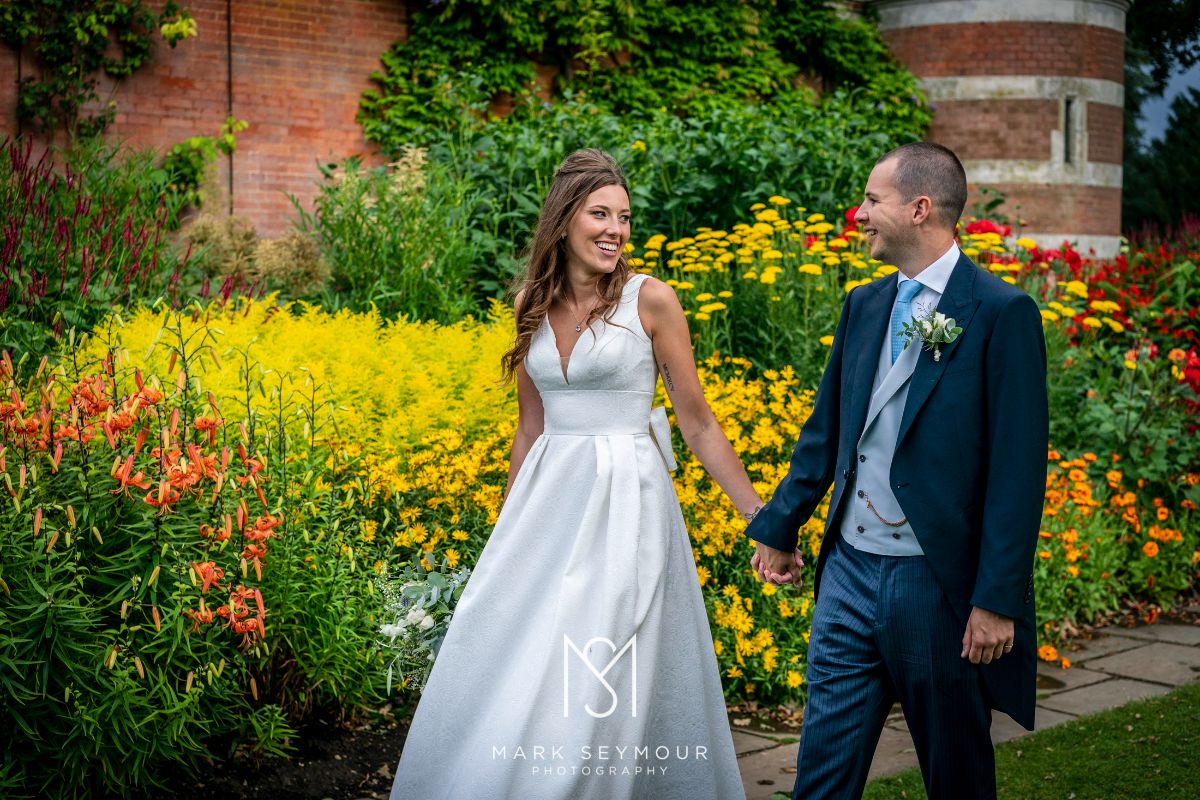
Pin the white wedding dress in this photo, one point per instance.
(579, 661)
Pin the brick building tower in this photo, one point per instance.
(1030, 94)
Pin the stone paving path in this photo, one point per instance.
(1118, 666)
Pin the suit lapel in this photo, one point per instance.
(876, 315)
(891, 383)
(958, 302)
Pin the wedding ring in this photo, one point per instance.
(1008, 647)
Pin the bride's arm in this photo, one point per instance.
(530, 416)
(663, 319)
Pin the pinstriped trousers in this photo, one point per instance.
(883, 631)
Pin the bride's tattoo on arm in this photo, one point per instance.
(667, 377)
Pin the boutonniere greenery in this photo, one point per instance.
(934, 329)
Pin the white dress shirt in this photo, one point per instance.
(934, 278)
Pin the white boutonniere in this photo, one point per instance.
(934, 329)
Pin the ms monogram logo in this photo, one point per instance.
(569, 646)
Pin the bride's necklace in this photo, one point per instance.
(579, 322)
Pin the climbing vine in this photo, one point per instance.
(625, 57)
(72, 43)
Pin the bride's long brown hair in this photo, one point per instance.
(580, 174)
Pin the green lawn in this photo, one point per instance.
(1148, 750)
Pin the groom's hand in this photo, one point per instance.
(988, 636)
(776, 566)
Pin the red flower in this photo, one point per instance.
(987, 226)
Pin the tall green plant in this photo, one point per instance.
(131, 636)
(178, 579)
(397, 238)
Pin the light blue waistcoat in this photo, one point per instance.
(860, 527)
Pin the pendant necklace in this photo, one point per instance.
(579, 323)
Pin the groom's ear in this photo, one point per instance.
(922, 209)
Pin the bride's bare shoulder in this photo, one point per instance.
(657, 305)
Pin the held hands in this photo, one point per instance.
(776, 566)
(988, 636)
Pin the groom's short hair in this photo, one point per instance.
(927, 168)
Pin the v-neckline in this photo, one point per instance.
(564, 368)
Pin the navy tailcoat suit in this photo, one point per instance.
(969, 468)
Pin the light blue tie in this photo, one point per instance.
(902, 313)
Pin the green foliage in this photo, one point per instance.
(684, 173)
(115, 669)
(1140, 412)
(188, 162)
(1162, 179)
(1162, 39)
(397, 238)
(624, 58)
(72, 42)
(104, 679)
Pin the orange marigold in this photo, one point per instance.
(1150, 549)
(1047, 653)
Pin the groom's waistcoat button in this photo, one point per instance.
(862, 459)
(895, 536)
(861, 529)
(861, 493)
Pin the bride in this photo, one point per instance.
(579, 662)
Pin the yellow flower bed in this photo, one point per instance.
(392, 382)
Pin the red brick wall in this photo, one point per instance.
(985, 129)
(1010, 48)
(8, 91)
(298, 67)
(1082, 210)
(1105, 125)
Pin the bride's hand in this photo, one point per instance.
(776, 566)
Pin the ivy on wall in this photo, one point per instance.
(685, 55)
(74, 41)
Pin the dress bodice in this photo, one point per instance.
(610, 374)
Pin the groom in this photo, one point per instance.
(937, 457)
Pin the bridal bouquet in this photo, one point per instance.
(419, 603)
